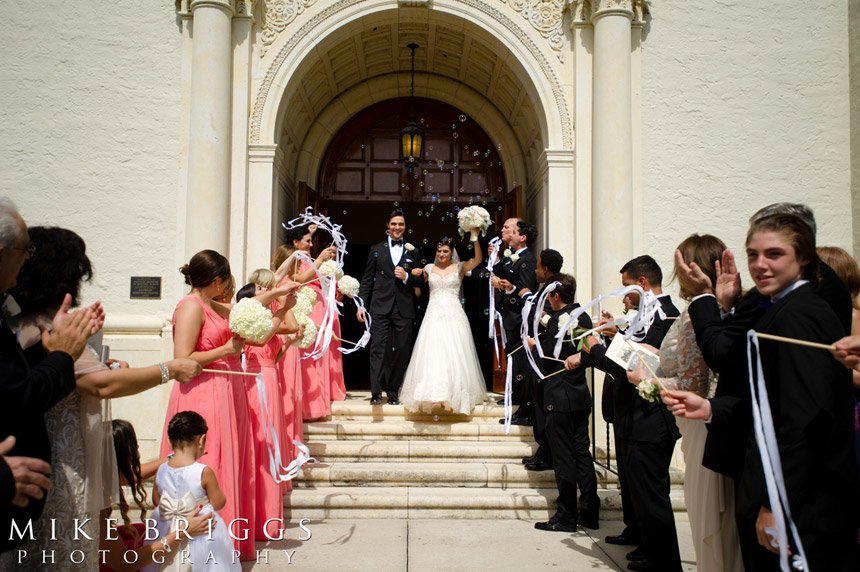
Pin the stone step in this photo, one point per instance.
(440, 502)
(438, 474)
(368, 430)
(358, 406)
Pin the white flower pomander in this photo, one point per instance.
(338, 273)
(328, 268)
(474, 218)
(250, 320)
(309, 294)
(309, 331)
(302, 307)
(408, 246)
(507, 253)
(348, 286)
(514, 258)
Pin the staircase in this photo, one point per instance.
(379, 462)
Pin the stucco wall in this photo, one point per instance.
(89, 135)
(854, 75)
(744, 104)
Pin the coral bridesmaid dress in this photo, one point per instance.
(220, 399)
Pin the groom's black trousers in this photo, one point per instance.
(390, 349)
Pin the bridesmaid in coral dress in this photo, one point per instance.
(201, 331)
(261, 358)
(316, 374)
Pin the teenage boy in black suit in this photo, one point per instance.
(567, 404)
(387, 291)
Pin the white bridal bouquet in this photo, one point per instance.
(250, 320)
(474, 218)
(348, 286)
(309, 331)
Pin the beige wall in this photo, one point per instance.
(89, 134)
(744, 104)
(854, 76)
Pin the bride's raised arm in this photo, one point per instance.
(477, 255)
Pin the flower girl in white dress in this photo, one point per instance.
(181, 485)
(444, 371)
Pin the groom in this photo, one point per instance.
(387, 291)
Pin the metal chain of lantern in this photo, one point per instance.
(411, 136)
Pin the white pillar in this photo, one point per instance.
(612, 167)
(583, 48)
(207, 222)
(262, 212)
(560, 232)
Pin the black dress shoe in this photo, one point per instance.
(376, 399)
(392, 400)
(621, 540)
(525, 421)
(500, 401)
(636, 555)
(538, 465)
(527, 460)
(643, 566)
(555, 525)
(592, 523)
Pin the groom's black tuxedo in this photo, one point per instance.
(390, 302)
(381, 290)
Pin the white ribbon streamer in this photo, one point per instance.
(524, 333)
(277, 470)
(328, 284)
(637, 324)
(765, 436)
(365, 337)
(494, 314)
(508, 389)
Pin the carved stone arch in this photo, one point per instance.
(285, 56)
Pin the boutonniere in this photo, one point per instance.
(563, 319)
(408, 246)
(10, 308)
(507, 253)
(514, 258)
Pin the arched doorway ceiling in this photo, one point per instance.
(459, 62)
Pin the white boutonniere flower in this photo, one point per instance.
(507, 253)
(408, 246)
(514, 258)
(563, 320)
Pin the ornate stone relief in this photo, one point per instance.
(564, 119)
(277, 15)
(546, 17)
(582, 10)
(245, 8)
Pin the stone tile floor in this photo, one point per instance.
(448, 545)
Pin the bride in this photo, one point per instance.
(444, 370)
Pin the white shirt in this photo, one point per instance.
(396, 251)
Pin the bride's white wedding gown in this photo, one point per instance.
(444, 368)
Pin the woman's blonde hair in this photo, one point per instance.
(262, 277)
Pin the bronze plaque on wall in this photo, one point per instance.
(145, 288)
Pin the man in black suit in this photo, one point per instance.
(567, 403)
(645, 437)
(514, 278)
(25, 393)
(387, 291)
(548, 268)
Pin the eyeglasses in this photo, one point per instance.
(28, 250)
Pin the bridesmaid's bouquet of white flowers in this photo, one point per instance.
(309, 331)
(329, 268)
(303, 306)
(308, 294)
(250, 320)
(474, 218)
(348, 286)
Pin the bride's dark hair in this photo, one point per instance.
(446, 241)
